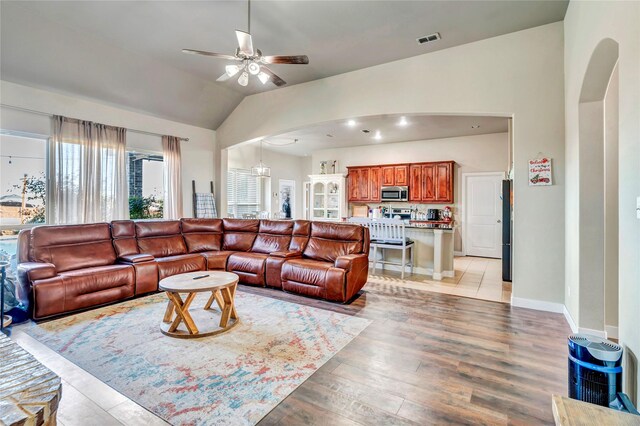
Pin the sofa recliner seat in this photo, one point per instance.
(69, 268)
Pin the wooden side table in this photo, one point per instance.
(571, 412)
(29, 391)
(222, 286)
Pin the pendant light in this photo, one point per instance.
(261, 170)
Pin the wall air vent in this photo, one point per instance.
(429, 38)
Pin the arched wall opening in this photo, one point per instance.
(598, 205)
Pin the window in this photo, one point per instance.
(146, 185)
(243, 193)
(23, 187)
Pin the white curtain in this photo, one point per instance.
(172, 177)
(88, 172)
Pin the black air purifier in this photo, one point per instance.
(595, 371)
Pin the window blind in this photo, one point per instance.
(243, 193)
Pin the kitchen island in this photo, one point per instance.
(433, 252)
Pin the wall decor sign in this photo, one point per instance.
(540, 172)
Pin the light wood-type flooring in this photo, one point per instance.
(427, 358)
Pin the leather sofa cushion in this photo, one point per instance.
(202, 234)
(171, 245)
(92, 280)
(301, 232)
(337, 231)
(247, 262)
(238, 241)
(146, 229)
(330, 250)
(71, 247)
(193, 225)
(241, 225)
(306, 271)
(123, 229)
(276, 227)
(216, 260)
(173, 265)
(266, 243)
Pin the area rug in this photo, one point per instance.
(234, 378)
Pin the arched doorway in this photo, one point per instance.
(598, 217)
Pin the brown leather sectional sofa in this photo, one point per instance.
(69, 268)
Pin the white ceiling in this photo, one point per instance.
(418, 127)
(128, 53)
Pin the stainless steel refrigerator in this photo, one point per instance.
(507, 229)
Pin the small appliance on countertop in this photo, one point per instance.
(398, 213)
(433, 214)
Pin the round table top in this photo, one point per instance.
(185, 283)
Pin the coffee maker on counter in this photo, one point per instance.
(433, 214)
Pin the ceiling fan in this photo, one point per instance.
(250, 60)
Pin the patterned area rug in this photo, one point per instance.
(233, 379)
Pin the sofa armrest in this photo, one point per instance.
(32, 271)
(136, 258)
(348, 261)
(286, 254)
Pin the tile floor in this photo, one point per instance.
(475, 277)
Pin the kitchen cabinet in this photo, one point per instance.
(397, 175)
(327, 197)
(428, 182)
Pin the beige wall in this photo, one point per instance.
(611, 205)
(586, 24)
(483, 153)
(519, 74)
(197, 154)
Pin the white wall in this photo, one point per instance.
(519, 74)
(586, 25)
(283, 166)
(482, 153)
(197, 154)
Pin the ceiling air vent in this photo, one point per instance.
(429, 38)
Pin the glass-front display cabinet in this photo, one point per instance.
(328, 197)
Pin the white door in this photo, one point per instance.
(482, 205)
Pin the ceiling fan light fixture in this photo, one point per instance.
(263, 77)
(232, 70)
(243, 80)
(254, 68)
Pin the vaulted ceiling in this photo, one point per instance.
(128, 54)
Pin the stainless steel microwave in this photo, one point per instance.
(394, 193)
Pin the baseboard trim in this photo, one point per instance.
(569, 318)
(598, 333)
(612, 331)
(458, 253)
(538, 305)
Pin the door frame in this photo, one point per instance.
(463, 206)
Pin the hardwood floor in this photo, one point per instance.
(432, 358)
(427, 358)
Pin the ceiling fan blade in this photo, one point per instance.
(205, 53)
(280, 59)
(274, 78)
(223, 77)
(244, 42)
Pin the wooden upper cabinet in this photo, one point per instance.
(375, 177)
(444, 182)
(401, 175)
(427, 188)
(427, 182)
(415, 182)
(359, 184)
(388, 176)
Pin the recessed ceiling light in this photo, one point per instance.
(475, 126)
(365, 131)
(377, 136)
(351, 123)
(403, 121)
